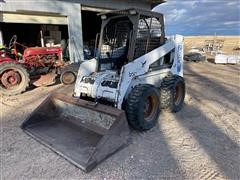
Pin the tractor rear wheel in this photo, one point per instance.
(172, 93)
(14, 79)
(143, 107)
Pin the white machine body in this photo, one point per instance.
(115, 87)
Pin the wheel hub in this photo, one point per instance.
(178, 94)
(10, 78)
(68, 78)
(150, 108)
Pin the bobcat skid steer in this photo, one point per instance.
(137, 72)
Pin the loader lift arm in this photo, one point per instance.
(139, 67)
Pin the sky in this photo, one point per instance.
(201, 17)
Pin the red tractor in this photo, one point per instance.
(37, 63)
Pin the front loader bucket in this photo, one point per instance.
(81, 132)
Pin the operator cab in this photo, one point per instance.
(115, 43)
(127, 35)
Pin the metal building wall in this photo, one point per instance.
(72, 10)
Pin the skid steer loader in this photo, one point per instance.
(137, 72)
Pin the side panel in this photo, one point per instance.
(153, 78)
(139, 66)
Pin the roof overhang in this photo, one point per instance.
(128, 12)
(155, 2)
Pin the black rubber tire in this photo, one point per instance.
(65, 81)
(172, 93)
(24, 84)
(135, 104)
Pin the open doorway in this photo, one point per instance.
(91, 26)
(29, 35)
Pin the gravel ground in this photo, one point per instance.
(199, 142)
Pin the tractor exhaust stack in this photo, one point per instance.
(83, 133)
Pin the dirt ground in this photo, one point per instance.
(199, 142)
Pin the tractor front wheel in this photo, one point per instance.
(14, 79)
(68, 77)
(143, 107)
